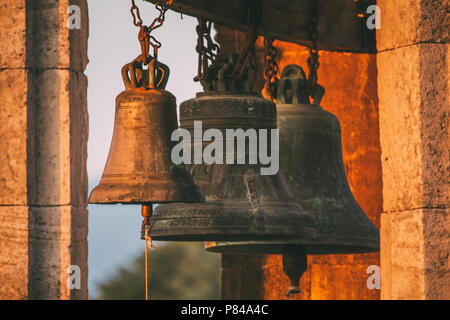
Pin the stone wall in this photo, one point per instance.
(414, 67)
(43, 149)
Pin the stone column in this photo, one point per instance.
(43, 149)
(413, 86)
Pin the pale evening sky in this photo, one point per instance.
(114, 230)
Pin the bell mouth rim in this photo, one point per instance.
(204, 94)
(101, 196)
(309, 248)
(244, 235)
(276, 247)
(143, 202)
(296, 105)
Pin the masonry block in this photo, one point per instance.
(414, 124)
(415, 254)
(13, 28)
(413, 21)
(13, 137)
(43, 149)
(56, 241)
(51, 44)
(14, 260)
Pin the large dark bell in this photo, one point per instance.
(241, 204)
(139, 168)
(311, 156)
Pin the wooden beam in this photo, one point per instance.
(340, 28)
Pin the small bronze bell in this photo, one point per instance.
(311, 155)
(241, 204)
(139, 169)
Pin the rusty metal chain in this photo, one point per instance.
(271, 70)
(145, 38)
(313, 60)
(247, 58)
(271, 67)
(208, 53)
(136, 16)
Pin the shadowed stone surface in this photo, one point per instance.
(414, 125)
(415, 257)
(412, 21)
(43, 150)
(414, 120)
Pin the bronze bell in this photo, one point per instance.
(139, 169)
(241, 204)
(311, 155)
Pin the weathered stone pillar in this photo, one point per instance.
(43, 149)
(350, 81)
(413, 85)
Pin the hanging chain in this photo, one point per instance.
(145, 38)
(136, 16)
(271, 70)
(271, 67)
(313, 60)
(208, 53)
(247, 57)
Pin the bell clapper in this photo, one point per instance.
(294, 266)
(146, 212)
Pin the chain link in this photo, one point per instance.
(208, 53)
(247, 58)
(271, 70)
(313, 60)
(137, 21)
(145, 38)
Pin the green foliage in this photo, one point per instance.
(177, 271)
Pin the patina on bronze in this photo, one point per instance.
(342, 24)
(241, 204)
(311, 155)
(139, 169)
